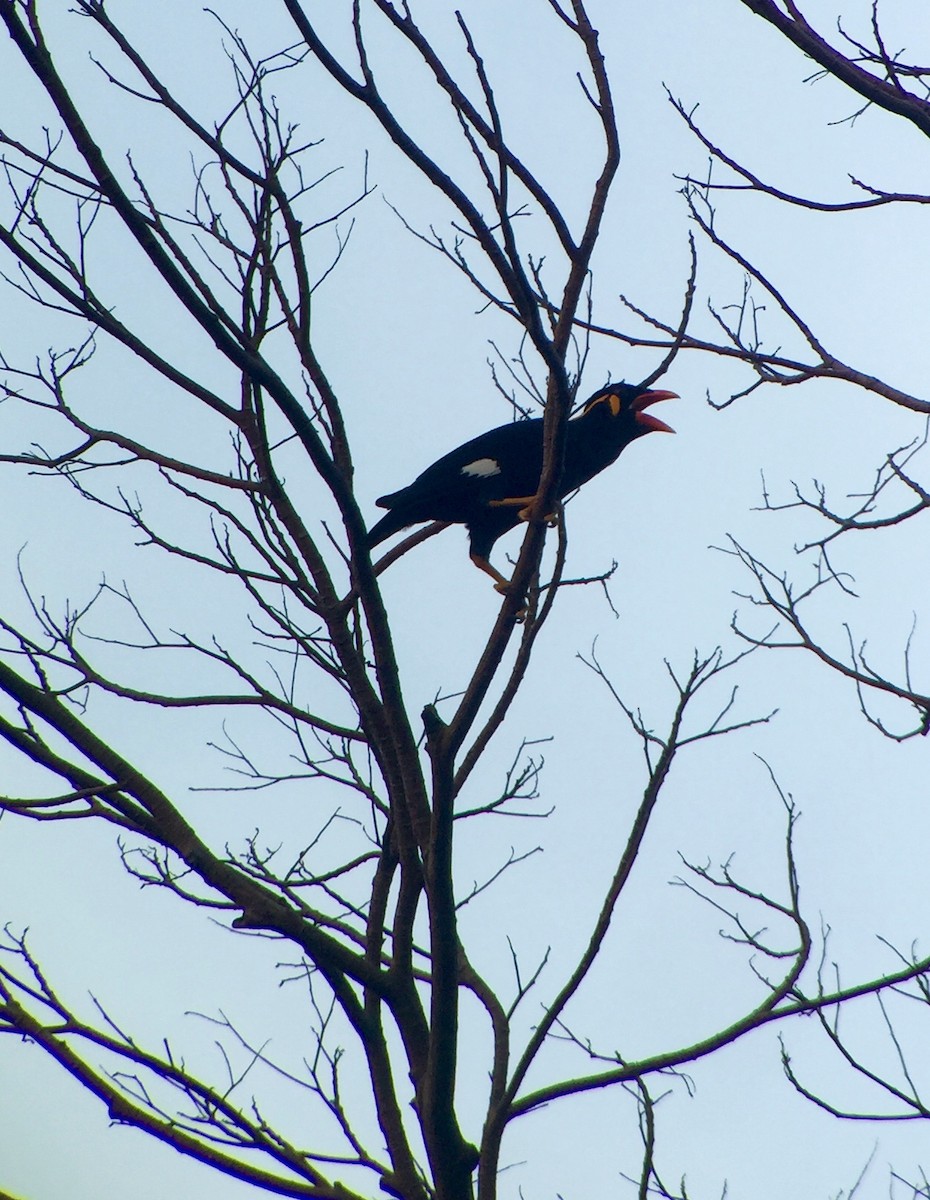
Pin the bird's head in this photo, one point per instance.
(627, 402)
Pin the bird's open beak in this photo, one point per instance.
(647, 419)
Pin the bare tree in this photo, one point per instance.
(764, 313)
(250, 493)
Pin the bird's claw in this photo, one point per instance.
(551, 519)
(504, 589)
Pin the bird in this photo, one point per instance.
(489, 484)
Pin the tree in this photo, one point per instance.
(271, 635)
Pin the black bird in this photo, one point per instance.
(489, 483)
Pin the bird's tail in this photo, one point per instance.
(391, 522)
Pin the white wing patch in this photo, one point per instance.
(482, 468)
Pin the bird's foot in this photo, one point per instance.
(527, 506)
(504, 588)
(526, 514)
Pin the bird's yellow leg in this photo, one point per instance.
(501, 584)
(512, 502)
(525, 504)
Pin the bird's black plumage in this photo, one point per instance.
(488, 483)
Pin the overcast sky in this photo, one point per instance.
(407, 352)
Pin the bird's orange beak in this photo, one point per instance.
(641, 403)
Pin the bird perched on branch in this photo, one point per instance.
(489, 484)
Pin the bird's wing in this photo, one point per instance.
(502, 462)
